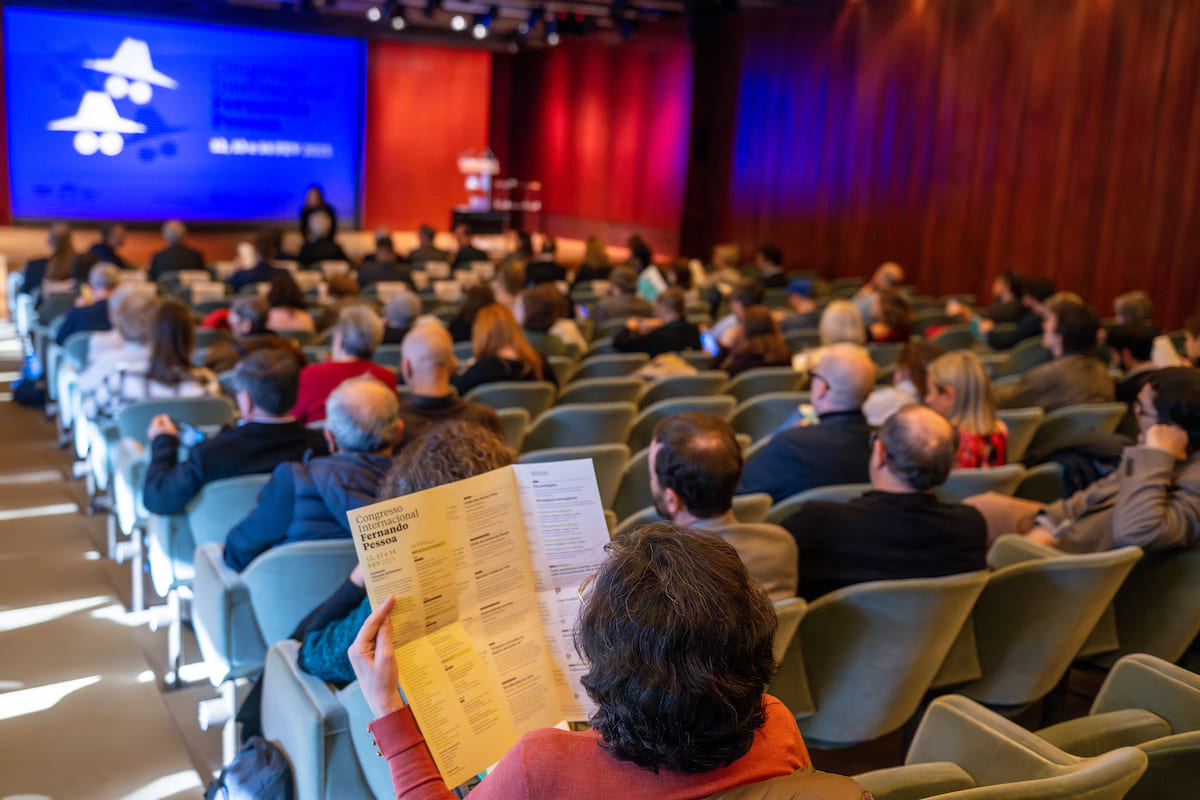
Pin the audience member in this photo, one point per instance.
(769, 264)
(1152, 498)
(667, 332)
(266, 436)
(893, 317)
(247, 319)
(385, 249)
(841, 323)
(384, 267)
(596, 265)
(1006, 302)
(899, 529)
(748, 292)
(108, 344)
(888, 275)
(160, 367)
(287, 245)
(758, 343)
(959, 389)
(105, 250)
(1034, 294)
(508, 282)
(399, 315)
(909, 383)
(133, 311)
(256, 263)
(544, 269)
(466, 251)
(540, 312)
(1191, 340)
(622, 301)
(355, 337)
(59, 242)
(342, 292)
(1134, 308)
(1131, 348)
(1074, 375)
(425, 249)
(502, 353)
(474, 298)
(524, 249)
(678, 642)
(288, 309)
(427, 365)
(695, 465)
(314, 203)
(803, 313)
(320, 245)
(176, 256)
(102, 281)
(307, 501)
(834, 450)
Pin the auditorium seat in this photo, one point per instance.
(1022, 423)
(756, 382)
(610, 365)
(963, 483)
(760, 416)
(580, 424)
(837, 493)
(514, 421)
(533, 396)
(643, 427)
(602, 390)
(1073, 420)
(701, 384)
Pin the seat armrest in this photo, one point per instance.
(916, 781)
(1012, 549)
(224, 618)
(1090, 736)
(1146, 682)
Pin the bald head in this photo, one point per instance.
(427, 360)
(362, 416)
(916, 450)
(848, 374)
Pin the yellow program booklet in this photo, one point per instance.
(486, 573)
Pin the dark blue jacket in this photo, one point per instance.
(835, 451)
(85, 318)
(250, 449)
(262, 272)
(305, 502)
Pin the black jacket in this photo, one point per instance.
(670, 338)
(834, 451)
(174, 258)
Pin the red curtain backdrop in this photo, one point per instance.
(603, 124)
(962, 139)
(425, 107)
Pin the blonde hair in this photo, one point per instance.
(595, 253)
(974, 408)
(841, 321)
(495, 328)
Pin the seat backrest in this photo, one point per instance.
(954, 337)
(1072, 420)
(1044, 483)
(1106, 777)
(290, 580)
(602, 390)
(762, 380)
(963, 483)
(633, 491)
(752, 508)
(514, 421)
(834, 664)
(386, 355)
(533, 396)
(837, 493)
(1034, 616)
(1026, 355)
(203, 412)
(805, 783)
(884, 354)
(607, 459)
(222, 504)
(1022, 423)
(700, 384)
(643, 427)
(610, 365)
(564, 368)
(1158, 606)
(802, 339)
(788, 614)
(76, 347)
(580, 424)
(1142, 681)
(762, 415)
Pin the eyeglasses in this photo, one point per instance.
(814, 374)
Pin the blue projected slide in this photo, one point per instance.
(127, 119)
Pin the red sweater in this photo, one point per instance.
(554, 763)
(317, 381)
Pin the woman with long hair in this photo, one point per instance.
(893, 318)
(596, 265)
(289, 311)
(760, 344)
(474, 298)
(959, 389)
(502, 353)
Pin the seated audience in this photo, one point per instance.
(265, 437)
(757, 343)
(899, 529)
(667, 332)
(541, 311)
(524, 249)
(355, 337)
(834, 450)
(247, 320)
(802, 313)
(622, 301)
(427, 364)
(1131, 348)
(34, 271)
(543, 269)
(887, 276)
(343, 292)
(399, 315)
(176, 256)
(909, 383)
(160, 367)
(596, 265)
(315, 203)
(841, 323)
(287, 245)
(679, 275)
(1135, 308)
(502, 353)
(508, 282)
(1152, 498)
(102, 281)
(960, 390)
(111, 238)
(384, 267)
(769, 267)
(1006, 302)
(695, 465)
(678, 642)
(425, 249)
(320, 245)
(103, 344)
(466, 251)
(255, 258)
(385, 250)
(893, 317)
(474, 298)
(748, 292)
(1074, 375)
(308, 501)
(1191, 340)
(288, 310)
(1035, 292)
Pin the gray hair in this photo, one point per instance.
(104, 276)
(1132, 307)
(134, 311)
(253, 308)
(173, 230)
(921, 446)
(402, 309)
(362, 414)
(360, 329)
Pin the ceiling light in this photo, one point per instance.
(374, 14)
(458, 22)
(399, 22)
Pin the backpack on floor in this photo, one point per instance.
(259, 771)
(30, 389)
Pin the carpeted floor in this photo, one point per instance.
(83, 711)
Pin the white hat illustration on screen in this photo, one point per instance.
(131, 72)
(98, 126)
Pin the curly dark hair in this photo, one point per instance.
(286, 293)
(448, 452)
(1177, 399)
(678, 638)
